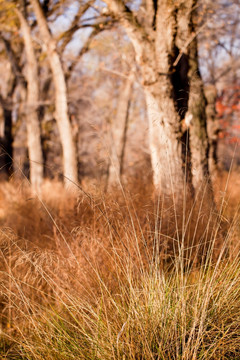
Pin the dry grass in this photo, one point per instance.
(118, 276)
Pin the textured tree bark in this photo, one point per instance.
(165, 141)
(213, 128)
(198, 135)
(118, 133)
(33, 125)
(197, 108)
(61, 106)
(164, 122)
(168, 58)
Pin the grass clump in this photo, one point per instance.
(133, 280)
(157, 316)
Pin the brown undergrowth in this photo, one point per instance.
(123, 275)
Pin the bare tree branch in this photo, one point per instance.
(151, 12)
(84, 49)
(13, 60)
(67, 35)
(140, 36)
(134, 29)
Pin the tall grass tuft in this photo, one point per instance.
(118, 277)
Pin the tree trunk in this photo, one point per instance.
(212, 127)
(118, 132)
(167, 56)
(194, 114)
(6, 139)
(15, 102)
(198, 129)
(164, 118)
(61, 106)
(6, 102)
(164, 141)
(33, 126)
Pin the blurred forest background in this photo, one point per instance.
(97, 94)
(105, 104)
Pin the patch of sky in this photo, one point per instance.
(81, 36)
(89, 64)
(79, 39)
(134, 4)
(63, 21)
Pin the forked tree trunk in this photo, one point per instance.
(33, 125)
(167, 56)
(118, 132)
(61, 107)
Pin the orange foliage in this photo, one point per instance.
(228, 107)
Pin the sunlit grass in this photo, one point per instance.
(119, 279)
